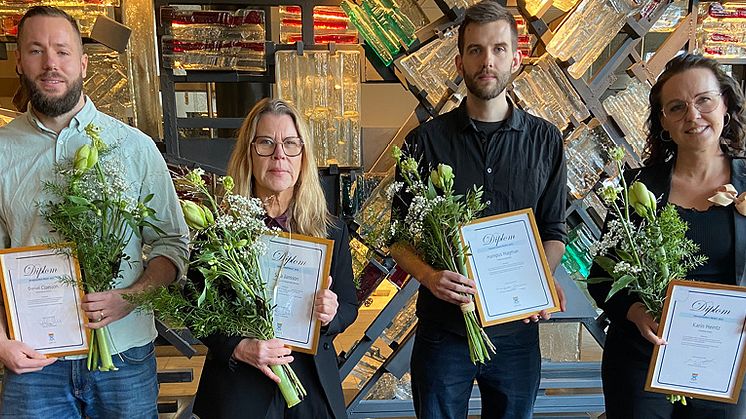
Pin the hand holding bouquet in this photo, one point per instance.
(92, 209)
(642, 256)
(431, 227)
(225, 293)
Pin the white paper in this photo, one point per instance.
(705, 334)
(300, 264)
(507, 267)
(44, 303)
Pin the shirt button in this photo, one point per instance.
(488, 203)
(489, 170)
(326, 346)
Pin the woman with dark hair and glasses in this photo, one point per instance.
(274, 160)
(695, 145)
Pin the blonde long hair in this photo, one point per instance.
(307, 213)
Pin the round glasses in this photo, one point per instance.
(704, 103)
(265, 146)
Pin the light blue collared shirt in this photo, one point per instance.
(28, 153)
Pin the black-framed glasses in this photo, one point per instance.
(703, 102)
(265, 146)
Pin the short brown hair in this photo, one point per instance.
(487, 11)
(48, 11)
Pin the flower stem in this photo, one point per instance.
(289, 384)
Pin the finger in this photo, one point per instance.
(330, 282)
(462, 288)
(562, 298)
(95, 296)
(92, 307)
(268, 372)
(544, 315)
(455, 297)
(469, 283)
(280, 361)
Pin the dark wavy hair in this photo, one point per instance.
(733, 135)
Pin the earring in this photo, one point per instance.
(663, 137)
(725, 124)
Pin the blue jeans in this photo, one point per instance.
(443, 374)
(66, 389)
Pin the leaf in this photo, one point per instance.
(78, 200)
(597, 280)
(431, 193)
(625, 256)
(620, 284)
(147, 198)
(606, 263)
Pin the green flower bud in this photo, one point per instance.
(85, 158)
(195, 177)
(642, 200)
(609, 194)
(241, 243)
(435, 179)
(193, 214)
(396, 152)
(228, 184)
(209, 218)
(409, 165)
(446, 173)
(617, 153)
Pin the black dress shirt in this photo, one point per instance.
(521, 166)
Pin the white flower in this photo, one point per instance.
(622, 268)
(393, 189)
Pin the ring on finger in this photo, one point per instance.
(101, 315)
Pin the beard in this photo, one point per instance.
(53, 106)
(487, 92)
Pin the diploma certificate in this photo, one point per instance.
(506, 260)
(296, 268)
(42, 300)
(704, 327)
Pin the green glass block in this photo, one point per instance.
(370, 31)
(377, 16)
(400, 23)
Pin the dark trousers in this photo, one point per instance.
(443, 374)
(624, 371)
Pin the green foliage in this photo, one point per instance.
(643, 257)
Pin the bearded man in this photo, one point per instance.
(518, 160)
(52, 65)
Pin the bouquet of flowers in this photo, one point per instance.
(92, 210)
(228, 296)
(644, 256)
(431, 227)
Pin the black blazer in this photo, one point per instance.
(658, 180)
(236, 391)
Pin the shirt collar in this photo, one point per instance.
(79, 121)
(514, 121)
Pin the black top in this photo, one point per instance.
(521, 166)
(717, 243)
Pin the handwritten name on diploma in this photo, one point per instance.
(36, 270)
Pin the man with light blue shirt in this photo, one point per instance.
(52, 65)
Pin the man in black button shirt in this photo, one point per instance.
(518, 160)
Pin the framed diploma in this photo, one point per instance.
(42, 300)
(506, 260)
(704, 325)
(296, 268)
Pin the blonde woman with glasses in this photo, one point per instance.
(274, 160)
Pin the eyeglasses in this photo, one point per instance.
(704, 103)
(265, 146)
